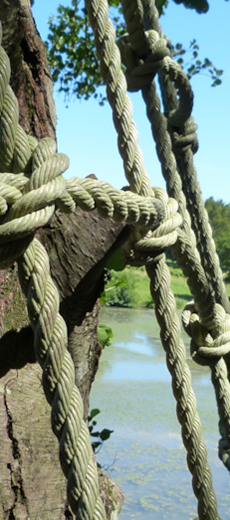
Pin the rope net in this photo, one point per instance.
(32, 188)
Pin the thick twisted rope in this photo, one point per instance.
(159, 125)
(35, 207)
(110, 66)
(88, 194)
(184, 144)
(168, 320)
(50, 345)
(197, 461)
(210, 345)
(27, 202)
(33, 202)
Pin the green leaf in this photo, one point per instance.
(216, 82)
(96, 445)
(161, 6)
(116, 262)
(105, 434)
(104, 335)
(93, 413)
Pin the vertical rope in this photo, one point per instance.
(165, 302)
(191, 189)
(50, 345)
(183, 249)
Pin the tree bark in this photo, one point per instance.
(31, 79)
(31, 482)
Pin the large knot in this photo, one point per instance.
(209, 341)
(120, 205)
(185, 138)
(141, 71)
(28, 203)
(141, 246)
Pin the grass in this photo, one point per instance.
(130, 288)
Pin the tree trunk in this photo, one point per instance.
(32, 485)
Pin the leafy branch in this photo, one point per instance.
(195, 65)
(72, 54)
(100, 437)
(71, 51)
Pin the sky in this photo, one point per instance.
(85, 130)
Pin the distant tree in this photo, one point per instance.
(72, 54)
(219, 214)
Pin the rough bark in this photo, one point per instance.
(30, 79)
(31, 482)
(79, 245)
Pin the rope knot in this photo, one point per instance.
(185, 138)
(28, 202)
(140, 246)
(210, 338)
(140, 71)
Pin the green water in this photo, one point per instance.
(145, 455)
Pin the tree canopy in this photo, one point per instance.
(72, 54)
(219, 215)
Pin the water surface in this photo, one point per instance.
(145, 455)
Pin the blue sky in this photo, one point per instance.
(85, 130)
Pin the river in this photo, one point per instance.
(145, 454)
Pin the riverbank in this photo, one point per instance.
(130, 288)
(145, 454)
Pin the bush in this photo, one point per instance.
(120, 289)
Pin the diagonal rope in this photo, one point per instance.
(202, 480)
(28, 201)
(198, 280)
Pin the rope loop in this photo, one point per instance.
(141, 71)
(185, 138)
(139, 248)
(210, 339)
(33, 200)
(120, 205)
(28, 203)
(178, 116)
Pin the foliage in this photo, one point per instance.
(104, 335)
(72, 54)
(99, 437)
(117, 262)
(137, 292)
(120, 289)
(194, 65)
(71, 51)
(200, 6)
(219, 215)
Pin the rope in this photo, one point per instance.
(184, 145)
(29, 199)
(88, 194)
(202, 481)
(183, 250)
(50, 345)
